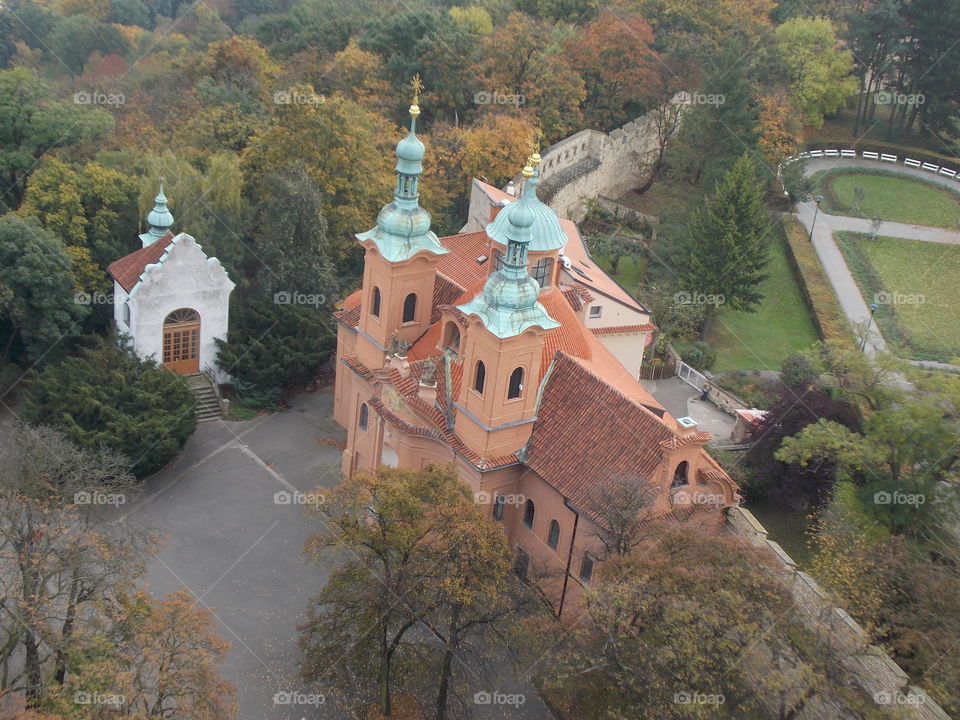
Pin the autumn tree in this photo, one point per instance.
(32, 123)
(90, 206)
(614, 56)
(60, 560)
(524, 66)
(346, 150)
(655, 630)
(412, 553)
(206, 200)
(172, 656)
(818, 69)
(779, 134)
(357, 73)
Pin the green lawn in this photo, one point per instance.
(781, 325)
(915, 286)
(629, 273)
(894, 197)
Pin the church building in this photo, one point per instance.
(476, 349)
(170, 298)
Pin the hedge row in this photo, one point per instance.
(827, 314)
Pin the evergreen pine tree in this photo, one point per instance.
(725, 249)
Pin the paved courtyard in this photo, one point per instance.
(241, 553)
(683, 400)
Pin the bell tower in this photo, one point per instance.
(401, 255)
(503, 343)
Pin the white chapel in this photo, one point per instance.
(170, 298)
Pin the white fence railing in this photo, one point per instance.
(879, 157)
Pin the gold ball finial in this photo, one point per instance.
(534, 159)
(527, 172)
(414, 110)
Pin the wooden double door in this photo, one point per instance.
(181, 341)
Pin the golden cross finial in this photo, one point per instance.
(417, 85)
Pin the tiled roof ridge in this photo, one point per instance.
(128, 270)
(613, 389)
(408, 388)
(678, 441)
(615, 329)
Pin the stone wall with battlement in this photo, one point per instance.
(871, 668)
(591, 163)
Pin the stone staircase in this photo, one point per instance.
(207, 407)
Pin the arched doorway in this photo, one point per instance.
(181, 341)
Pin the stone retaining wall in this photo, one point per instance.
(590, 163)
(872, 670)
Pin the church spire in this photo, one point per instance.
(508, 304)
(403, 227)
(160, 219)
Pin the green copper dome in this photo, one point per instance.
(160, 219)
(403, 227)
(545, 231)
(508, 304)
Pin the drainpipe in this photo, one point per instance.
(566, 575)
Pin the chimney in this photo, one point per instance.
(427, 393)
(688, 426)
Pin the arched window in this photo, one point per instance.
(680, 474)
(498, 504)
(516, 384)
(364, 416)
(375, 310)
(451, 336)
(479, 377)
(126, 313)
(410, 308)
(586, 568)
(497, 259)
(529, 511)
(542, 271)
(553, 537)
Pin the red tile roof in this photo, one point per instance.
(461, 265)
(128, 269)
(587, 435)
